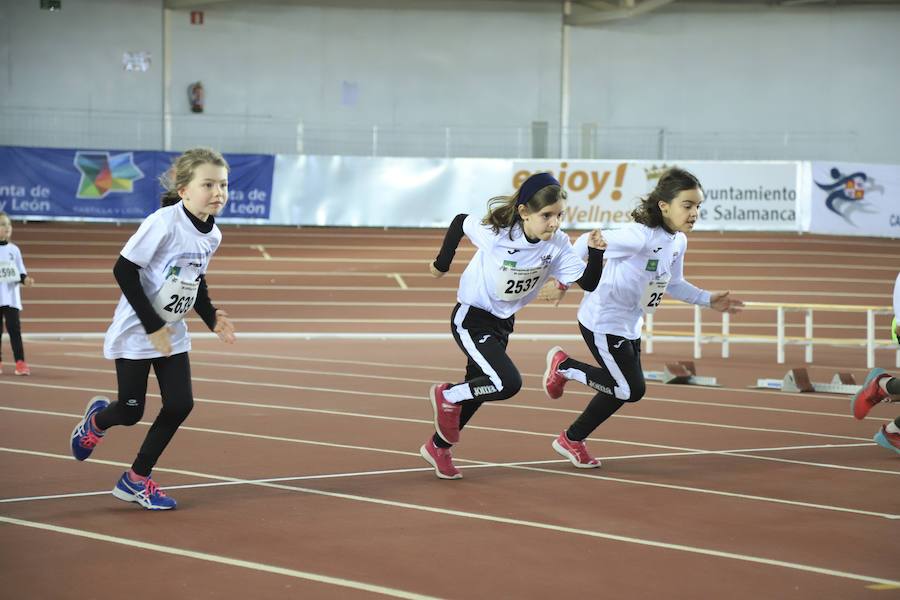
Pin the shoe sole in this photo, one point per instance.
(432, 396)
(81, 422)
(431, 462)
(566, 454)
(129, 497)
(873, 374)
(882, 441)
(550, 354)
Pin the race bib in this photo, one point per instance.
(515, 282)
(177, 295)
(9, 272)
(653, 294)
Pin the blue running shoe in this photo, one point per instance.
(886, 439)
(85, 437)
(145, 493)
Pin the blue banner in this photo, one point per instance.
(115, 184)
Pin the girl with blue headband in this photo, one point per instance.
(519, 246)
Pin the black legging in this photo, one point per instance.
(490, 373)
(173, 374)
(618, 379)
(15, 331)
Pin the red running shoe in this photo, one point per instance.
(576, 452)
(440, 459)
(22, 368)
(869, 394)
(446, 414)
(886, 439)
(554, 381)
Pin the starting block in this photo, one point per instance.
(798, 381)
(682, 372)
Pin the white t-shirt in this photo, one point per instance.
(11, 267)
(170, 251)
(637, 257)
(506, 274)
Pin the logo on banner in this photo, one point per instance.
(847, 194)
(103, 173)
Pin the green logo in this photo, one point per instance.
(651, 264)
(510, 264)
(173, 272)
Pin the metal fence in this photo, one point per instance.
(279, 135)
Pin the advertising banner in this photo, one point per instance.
(45, 183)
(854, 199)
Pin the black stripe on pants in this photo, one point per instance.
(14, 328)
(173, 373)
(618, 379)
(490, 373)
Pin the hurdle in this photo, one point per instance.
(798, 381)
(682, 372)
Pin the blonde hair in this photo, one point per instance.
(182, 171)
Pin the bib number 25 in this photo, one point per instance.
(655, 299)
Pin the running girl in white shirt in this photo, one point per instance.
(880, 386)
(644, 262)
(161, 271)
(12, 276)
(519, 246)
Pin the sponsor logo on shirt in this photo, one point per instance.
(512, 251)
(652, 264)
(545, 260)
(509, 264)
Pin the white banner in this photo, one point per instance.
(738, 195)
(420, 192)
(854, 199)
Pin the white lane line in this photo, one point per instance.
(569, 530)
(682, 452)
(222, 560)
(399, 279)
(407, 367)
(501, 405)
(244, 404)
(262, 250)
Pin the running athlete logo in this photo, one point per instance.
(847, 193)
(483, 339)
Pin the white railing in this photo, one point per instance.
(295, 134)
(781, 339)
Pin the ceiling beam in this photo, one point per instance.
(615, 14)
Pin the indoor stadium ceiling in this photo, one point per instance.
(583, 12)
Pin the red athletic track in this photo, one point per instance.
(704, 493)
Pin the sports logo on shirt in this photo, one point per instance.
(513, 251)
(173, 272)
(545, 260)
(652, 264)
(509, 264)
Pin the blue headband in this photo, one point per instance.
(533, 185)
